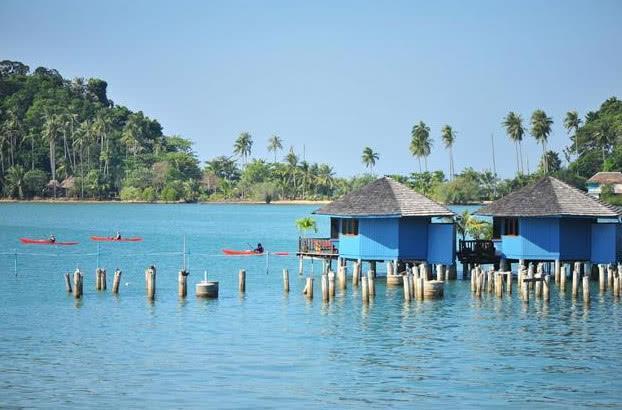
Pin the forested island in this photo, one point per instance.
(63, 138)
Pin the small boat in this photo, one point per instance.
(248, 252)
(233, 252)
(113, 239)
(28, 241)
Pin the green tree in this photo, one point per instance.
(35, 181)
(14, 182)
(549, 163)
(306, 224)
(421, 143)
(369, 158)
(513, 124)
(50, 133)
(275, 143)
(540, 130)
(243, 146)
(572, 122)
(449, 137)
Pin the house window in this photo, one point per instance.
(511, 227)
(349, 226)
(497, 226)
(334, 228)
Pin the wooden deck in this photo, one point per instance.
(317, 248)
(477, 251)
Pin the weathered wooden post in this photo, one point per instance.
(308, 290)
(546, 288)
(341, 277)
(531, 271)
(206, 288)
(372, 268)
(410, 278)
(356, 273)
(324, 287)
(433, 289)
(390, 270)
(103, 279)
(300, 265)
(525, 290)
(602, 284)
(67, 283)
(575, 282)
(609, 276)
(242, 280)
(421, 287)
(406, 286)
(364, 290)
(558, 265)
(182, 283)
(616, 285)
(509, 283)
(499, 284)
(562, 278)
(538, 286)
(150, 274)
(116, 281)
(98, 279)
(331, 284)
(586, 289)
(473, 280)
(285, 280)
(439, 272)
(587, 269)
(490, 284)
(77, 284)
(371, 278)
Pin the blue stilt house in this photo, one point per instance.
(553, 221)
(386, 221)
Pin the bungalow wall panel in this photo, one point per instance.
(575, 237)
(413, 238)
(379, 238)
(350, 246)
(538, 239)
(441, 243)
(604, 243)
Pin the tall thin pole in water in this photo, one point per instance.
(15, 265)
(97, 255)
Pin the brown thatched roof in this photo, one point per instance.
(384, 197)
(548, 197)
(606, 178)
(53, 183)
(68, 183)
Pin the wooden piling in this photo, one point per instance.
(390, 269)
(182, 283)
(356, 273)
(285, 280)
(406, 286)
(67, 283)
(308, 290)
(331, 284)
(616, 285)
(525, 291)
(206, 289)
(411, 282)
(575, 282)
(242, 280)
(439, 273)
(499, 284)
(103, 279)
(98, 279)
(421, 287)
(562, 278)
(531, 271)
(77, 284)
(116, 281)
(300, 265)
(509, 282)
(558, 266)
(473, 280)
(586, 289)
(365, 290)
(371, 283)
(610, 277)
(490, 283)
(433, 289)
(150, 274)
(325, 287)
(342, 281)
(546, 288)
(602, 284)
(538, 285)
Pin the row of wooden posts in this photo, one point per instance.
(533, 278)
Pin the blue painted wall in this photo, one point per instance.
(538, 239)
(575, 238)
(605, 242)
(378, 239)
(413, 238)
(441, 243)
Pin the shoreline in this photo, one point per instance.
(112, 201)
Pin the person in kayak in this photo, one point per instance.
(259, 248)
(117, 237)
(52, 238)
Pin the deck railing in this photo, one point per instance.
(317, 246)
(476, 249)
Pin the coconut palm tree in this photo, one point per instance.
(541, 129)
(513, 124)
(50, 131)
(449, 137)
(275, 143)
(14, 181)
(421, 143)
(572, 122)
(306, 224)
(369, 158)
(243, 146)
(292, 168)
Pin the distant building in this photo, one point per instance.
(553, 221)
(385, 221)
(595, 184)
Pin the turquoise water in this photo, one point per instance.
(268, 349)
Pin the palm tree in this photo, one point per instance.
(15, 180)
(604, 137)
(513, 124)
(421, 143)
(449, 137)
(275, 143)
(243, 146)
(541, 129)
(306, 224)
(369, 158)
(292, 167)
(50, 132)
(572, 123)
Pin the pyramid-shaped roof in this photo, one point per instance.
(384, 197)
(548, 197)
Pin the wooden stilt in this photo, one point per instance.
(364, 290)
(285, 280)
(308, 290)
(406, 286)
(67, 282)
(116, 281)
(371, 283)
(325, 287)
(575, 282)
(77, 284)
(341, 277)
(586, 289)
(150, 274)
(242, 280)
(602, 284)
(546, 289)
(562, 278)
(356, 273)
(331, 284)
(300, 265)
(558, 266)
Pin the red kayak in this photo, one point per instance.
(233, 252)
(111, 239)
(27, 241)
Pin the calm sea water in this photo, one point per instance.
(268, 349)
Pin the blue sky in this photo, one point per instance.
(334, 76)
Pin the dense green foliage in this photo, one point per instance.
(67, 138)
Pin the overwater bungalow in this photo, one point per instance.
(385, 221)
(550, 220)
